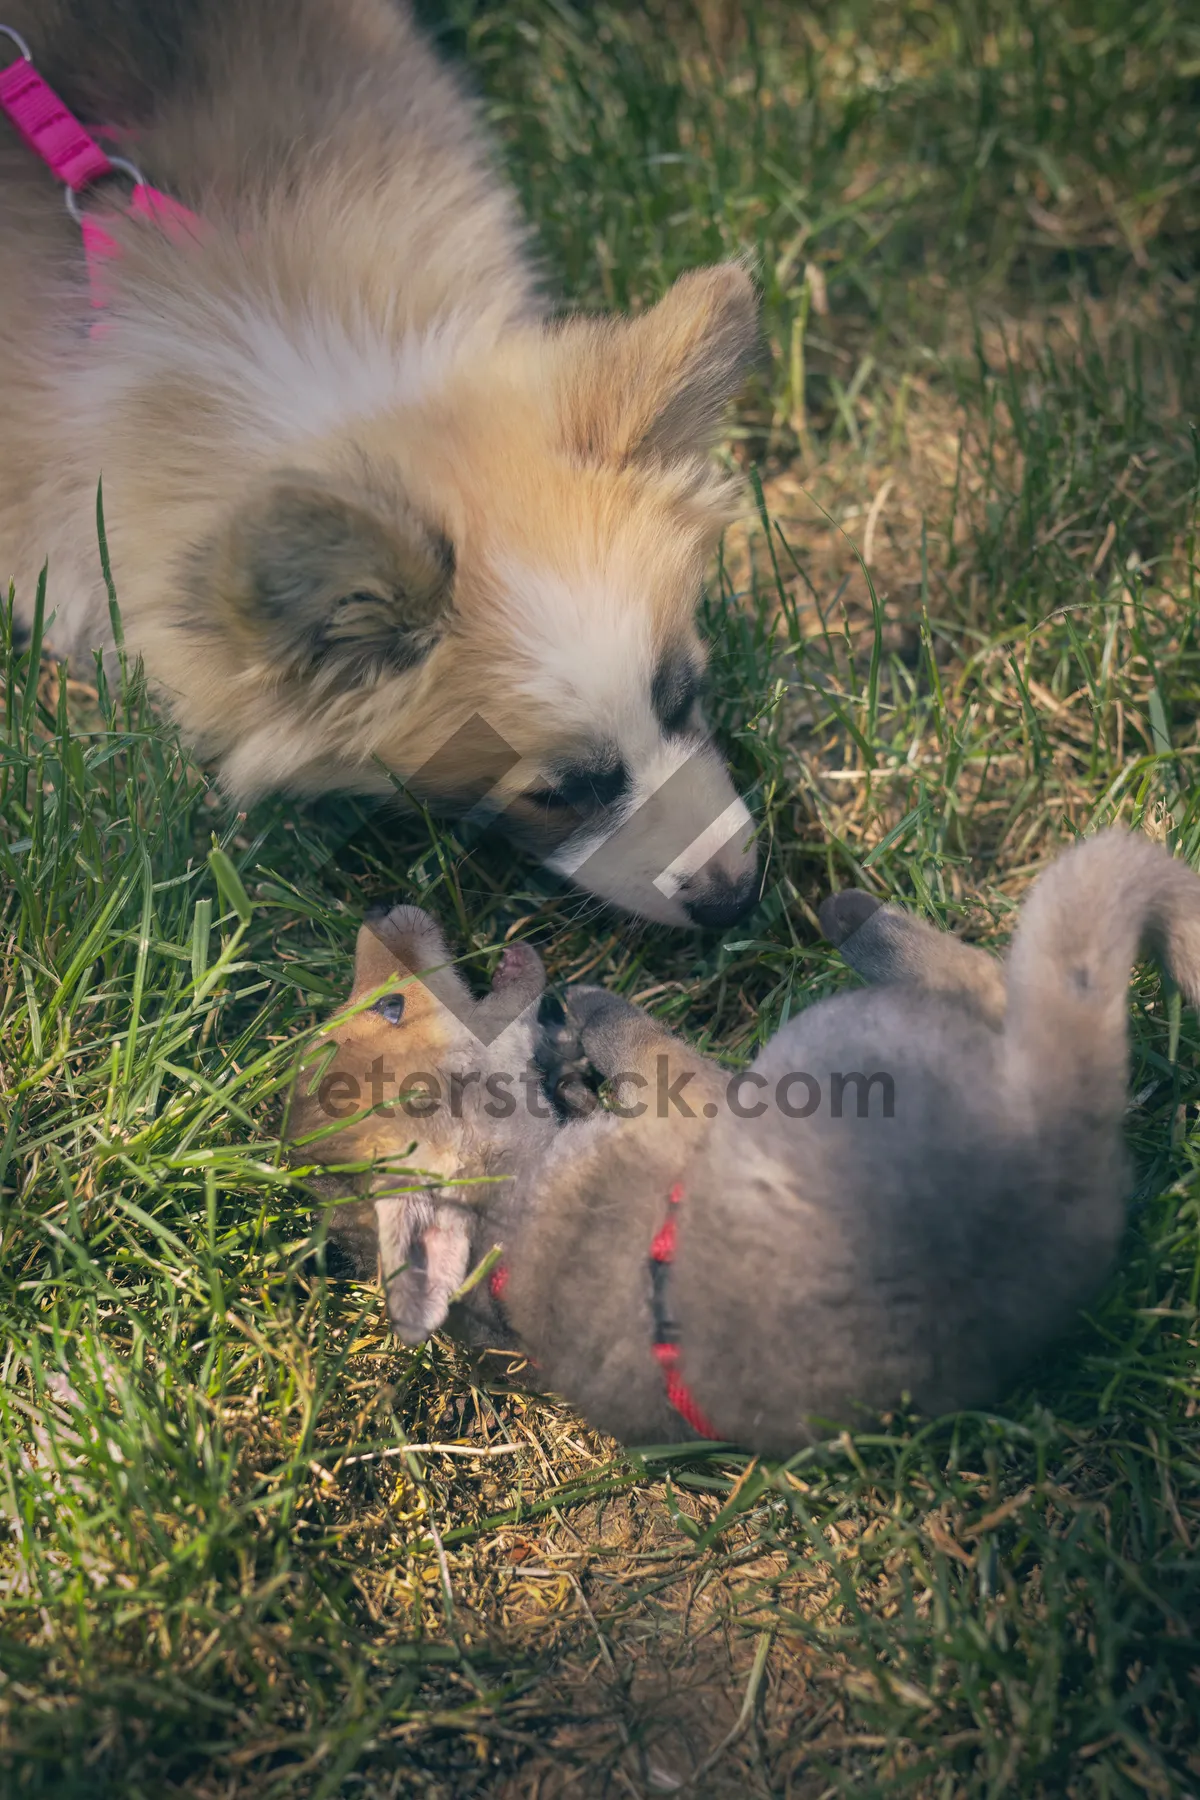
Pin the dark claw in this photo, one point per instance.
(568, 1079)
(573, 1096)
(842, 914)
(558, 1037)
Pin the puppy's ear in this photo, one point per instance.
(424, 1255)
(655, 388)
(329, 582)
(404, 940)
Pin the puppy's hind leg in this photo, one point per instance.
(893, 949)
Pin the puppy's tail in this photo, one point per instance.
(1081, 929)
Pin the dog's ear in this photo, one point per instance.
(329, 583)
(655, 388)
(424, 1255)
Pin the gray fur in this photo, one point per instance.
(832, 1268)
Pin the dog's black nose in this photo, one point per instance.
(722, 902)
(841, 914)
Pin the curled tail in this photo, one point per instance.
(1080, 931)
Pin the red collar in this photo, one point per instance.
(73, 156)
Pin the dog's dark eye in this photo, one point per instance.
(674, 693)
(677, 721)
(583, 790)
(550, 798)
(391, 1008)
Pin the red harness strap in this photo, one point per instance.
(665, 1345)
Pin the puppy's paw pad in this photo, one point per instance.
(842, 914)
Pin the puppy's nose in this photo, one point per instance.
(722, 901)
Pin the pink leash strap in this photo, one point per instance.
(73, 156)
(49, 128)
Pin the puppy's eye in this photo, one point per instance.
(391, 1008)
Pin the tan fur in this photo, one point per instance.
(359, 321)
(444, 1043)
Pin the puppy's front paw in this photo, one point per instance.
(568, 1078)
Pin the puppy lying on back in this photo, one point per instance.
(910, 1192)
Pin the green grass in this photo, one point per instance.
(975, 227)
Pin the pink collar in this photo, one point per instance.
(74, 157)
